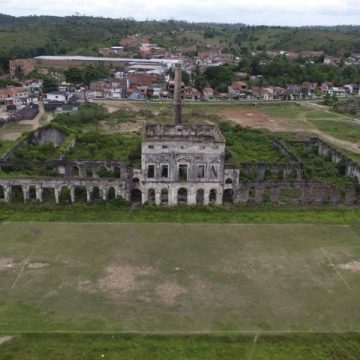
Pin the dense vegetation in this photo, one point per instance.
(248, 145)
(322, 168)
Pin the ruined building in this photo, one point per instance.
(180, 164)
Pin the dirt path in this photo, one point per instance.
(27, 125)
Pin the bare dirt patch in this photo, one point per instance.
(113, 105)
(6, 264)
(123, 278)
(353, 266)
(125, 127)
(4, 339)
(169, 291)
(256, 119)
(37, 265)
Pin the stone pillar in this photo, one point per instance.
(39, 193)
(144, 196)
(206, 197)
(286, 172)
(298, 173)
(172, 196)
(158, 197)
(104, 193)
(88, 194)
(191, 199)
(259, 195)
(95, 173)
(72, 194)
(219, 197)
(261, 173)
(56, 193)
(26, 193)
(7, 193)
(274, 195)
(82, 171)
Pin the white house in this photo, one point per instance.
(56, 96)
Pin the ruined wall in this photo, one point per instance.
(324, 149)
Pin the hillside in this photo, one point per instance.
(30, 36)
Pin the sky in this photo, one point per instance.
(253, 12)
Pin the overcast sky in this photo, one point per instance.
(260, 12)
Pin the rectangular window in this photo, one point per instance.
(182, 172)
(151, 171)
(164, 171)
(214, 171)
(201, 171)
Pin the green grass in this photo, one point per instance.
(178, 277)
(345, 130)
(125, 213)
(66, 346)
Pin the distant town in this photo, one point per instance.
(61, 83)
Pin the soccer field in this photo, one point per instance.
(179, 277)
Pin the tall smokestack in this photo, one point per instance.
(177, 95)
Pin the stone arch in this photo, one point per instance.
(164, 197)
(228, 181)
(48, 194)
(117, 172)
(80, 194)
(111, 193)
(17, 194)
(89, 171)
(267, 195)
(252, 194)
(151, 196)
(271, 173)
(95, 193)
(248, 173)
(32, 192)
(75, 171)
(228, 196)
(64, 195)
(182, 196)
(212, 196)
(2, 193)
(104, 172)
(136, 196)
(200, 197)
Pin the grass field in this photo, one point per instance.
(188, 291)
(177, 277)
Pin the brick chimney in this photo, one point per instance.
(177, 95)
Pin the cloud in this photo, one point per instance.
(253, 12)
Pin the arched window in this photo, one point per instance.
(136, 196)
(228, 181)
(182, 196)
(164, 197)
(151, 196)
(228, 196)
(212, 196)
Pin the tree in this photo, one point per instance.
(74, 75)
(50, 84)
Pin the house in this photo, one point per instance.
(56, 96)
(208, 93)
(13, 95)
(261, 93)
(294, 92)
(238, 89)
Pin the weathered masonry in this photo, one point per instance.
(180, 164)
